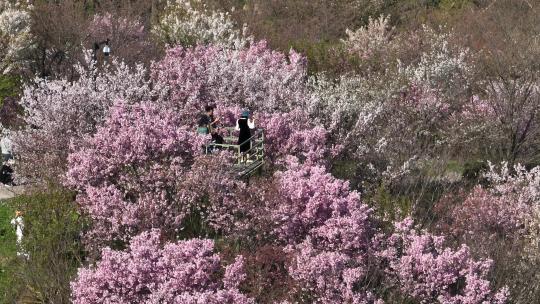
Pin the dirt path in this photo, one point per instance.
(9, 192)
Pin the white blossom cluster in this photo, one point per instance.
(15, 37)
(369, 39)
(184, 24)
(60, 112)
(355, 110)
(441, 66)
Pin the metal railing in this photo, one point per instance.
(255, 152)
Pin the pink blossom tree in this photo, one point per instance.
(150, 271)
(328, 230)
(129, 174)
(424, 269)
(306, 198)
(503, 209)
(255, 77)
(332, 264)
(269, 83)
(491, 215)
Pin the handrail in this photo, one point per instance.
(254, 146)
(257, 146)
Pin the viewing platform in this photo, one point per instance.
(246, 163)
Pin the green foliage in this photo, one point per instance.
(473, 170)
(344, 169)
(51, 239)
(391, 207)
(7, 251)
(9, 87)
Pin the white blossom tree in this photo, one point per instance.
(15, 36)
(59, 112)
(188, 22)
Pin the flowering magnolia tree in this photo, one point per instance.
(60, 113)
(188, 23)
(152, 272)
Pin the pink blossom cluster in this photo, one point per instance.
(489, 214)
(503, 207)
(150, 271)
(307, 197)
(129, 173)
(328, 230)
(293, 134)
(478, 108)
(266, 82)
(431, 273)
(333, 261)
(254, 77)
(218, 195)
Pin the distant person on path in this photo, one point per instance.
(244, 125)
(7, 146)
(6, 172)
(18, 223)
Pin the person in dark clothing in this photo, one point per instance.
(208, 121)
(244, 125)
(6, 175)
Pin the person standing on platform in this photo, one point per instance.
(244, 124)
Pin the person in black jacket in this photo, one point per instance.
(244, 124)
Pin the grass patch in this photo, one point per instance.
(8, 250)
(51, 238)
(9, 87)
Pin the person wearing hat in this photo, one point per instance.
(244, 125)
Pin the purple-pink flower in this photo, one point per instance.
(151, 272)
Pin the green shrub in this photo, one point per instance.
(391, 207)
(7, 251)
(473, 170)
(51, 239)
(9, 87)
